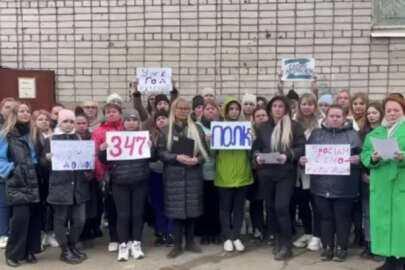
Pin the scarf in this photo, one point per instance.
(392, 126)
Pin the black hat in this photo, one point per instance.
(161, 97)
(160, 113)
(283, 99)
(293, 95)
(197, 101)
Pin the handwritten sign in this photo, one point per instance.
(327, 159)
(231, 135)
(72, 155)
(298, 69)
(154, 79)
(127, 145)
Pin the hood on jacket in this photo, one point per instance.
(226, 104)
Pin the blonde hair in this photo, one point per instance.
(192, 130)
(11, 121)
(312, 121)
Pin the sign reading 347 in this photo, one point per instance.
(127, 145)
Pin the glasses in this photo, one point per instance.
(68, 121)
(90, 107)
(183, 108)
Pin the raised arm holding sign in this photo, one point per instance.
(154, 79)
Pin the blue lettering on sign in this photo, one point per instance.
(231, 136)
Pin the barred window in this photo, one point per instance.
(389, 18)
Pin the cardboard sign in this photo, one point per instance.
(327, 159)
(72, 155)
(231, 135)
(127, 145)
(154, 79)
(298, 69)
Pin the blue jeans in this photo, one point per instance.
(4, 211)
(163, 225)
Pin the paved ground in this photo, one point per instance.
(212, 258)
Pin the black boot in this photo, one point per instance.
(67, 256)
(79, 254)
(389, 264)
(284, 253)
(176, 251)
(340, 255)
(30, 258)
(366, 253)
(327, 254)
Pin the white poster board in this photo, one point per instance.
(231, 135)
(154, 79)
(298, 69)
(127, 145)
(327, 159)
(27, 88)
(72, 155)
(386, 148)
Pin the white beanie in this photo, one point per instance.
(114, 97)
(249, 98)
(65, 115)
(207, 91)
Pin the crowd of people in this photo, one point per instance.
(205, 192)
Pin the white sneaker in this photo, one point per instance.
(314, 244)
(302, 241)
(238, 245)
(136, 250)
(113, 246)
(123, 252)
(228, 246)
(3, 241)
(52, 240)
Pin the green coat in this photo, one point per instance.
(233, 166)
(387, 196)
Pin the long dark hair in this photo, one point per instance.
(367, 126)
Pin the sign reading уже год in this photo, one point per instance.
(298, 69)
(231, 135)
(154, 79)
(327, 159)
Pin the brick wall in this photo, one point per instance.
(234, 46)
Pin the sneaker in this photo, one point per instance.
(314, 244)
(228, 246)
(113, 246)
(52, 240)
(302, 241)
(238, 245)
(3, 241)
(123, 252)
(136, 250)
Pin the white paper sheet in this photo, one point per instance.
(270, 158)
(386, 148)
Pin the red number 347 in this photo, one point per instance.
(130, 144)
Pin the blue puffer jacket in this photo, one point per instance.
(337, 186)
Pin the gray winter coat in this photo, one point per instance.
(183, 185)
(337, 186)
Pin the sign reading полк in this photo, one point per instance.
(154, 79)
(327, 159)
(298, 69)
(231, 135)
(127, 145)
(72, 155)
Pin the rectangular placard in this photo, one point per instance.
(72, 155)
(231, 135)
(298, 69)
(154, 79)
(127, 145)
(327, 159)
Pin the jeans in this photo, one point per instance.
(76, 216)
(366, 219)
(231, 211)
(335, 218)
(130, 205)
(163, 225)
(4, 211)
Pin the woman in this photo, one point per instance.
(248, 106)
(286, 137)
(374, 115)
(344, 99)
(208, 225)
(90, 109)
(233, 176)
(324, 102)
(181, 148)
(68, 193)
(387, 184)
(5, 107)
(256, 192)
(358, 108)
(307, 115)
(129, 184)
(335, 194)
(113, 122)
(18, 165)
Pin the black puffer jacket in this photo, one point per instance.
(127, 172)
(262, 144)
(183, 185)
(337, 186)
(22, 184)
(65, 187)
